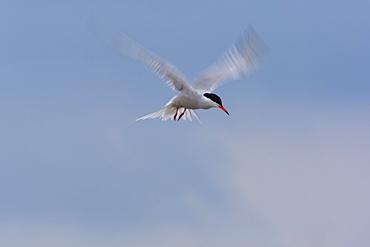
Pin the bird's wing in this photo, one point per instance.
(110, 36)
(240, 60)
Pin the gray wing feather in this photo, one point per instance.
(110, 36)
(240, 60)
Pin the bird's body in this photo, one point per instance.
(237, 62)
(190, 101)
(183, 106)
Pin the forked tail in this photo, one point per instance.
(170, 112)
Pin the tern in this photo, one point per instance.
(236, 63)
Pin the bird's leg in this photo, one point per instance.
(182, 114)
(174, 117)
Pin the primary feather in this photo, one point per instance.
(173, 77)
(240, 60)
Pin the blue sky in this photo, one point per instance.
(288, 167)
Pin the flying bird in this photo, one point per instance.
(237, 62)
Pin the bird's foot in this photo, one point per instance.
(174, 117)
(182, 114)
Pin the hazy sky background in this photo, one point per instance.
(289, 167)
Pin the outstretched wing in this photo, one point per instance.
(240, 60)
(110, 36)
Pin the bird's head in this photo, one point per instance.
(217, 100)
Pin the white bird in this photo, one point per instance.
(241, 59)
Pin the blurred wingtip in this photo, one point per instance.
(253, 39)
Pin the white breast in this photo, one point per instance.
(193, 101)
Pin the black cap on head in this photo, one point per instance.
(213, 97)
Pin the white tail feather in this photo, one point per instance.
(168, 112)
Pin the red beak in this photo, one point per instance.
(223, 108)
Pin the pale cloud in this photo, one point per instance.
(309, 188)
(311, 185)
